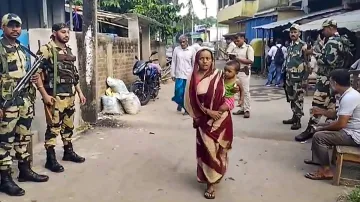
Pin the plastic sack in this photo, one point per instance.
(111, 105)
(130, 102)
(117, 85)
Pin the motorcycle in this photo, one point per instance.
(147, 86)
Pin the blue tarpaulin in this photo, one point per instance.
(253, 22)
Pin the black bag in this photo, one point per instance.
(279, 56)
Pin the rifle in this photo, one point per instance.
(284, 86)
(23, 82)
(307, 58)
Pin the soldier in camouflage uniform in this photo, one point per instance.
(331, 58)
(295, 77)
(59, 83)
(16, 118)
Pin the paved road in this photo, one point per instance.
(152, 158)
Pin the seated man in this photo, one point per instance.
(345, 131)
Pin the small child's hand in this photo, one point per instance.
(236, 89)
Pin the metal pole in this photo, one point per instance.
(45, 15)
(192, 27)
(206, 20)
(71, 15)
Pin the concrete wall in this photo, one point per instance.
(268, 4)
(160, 47)
(31, 11)
(242, 8)
(283, 15)
(42, 35)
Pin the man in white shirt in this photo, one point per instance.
(181, 67)
(276, 62)
(230, 44)
(245, 53)
(197, 45)
(345, 131)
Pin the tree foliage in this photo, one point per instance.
(159, 10)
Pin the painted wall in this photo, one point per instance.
(268, 4)
(252, 33)
(242, 8)
(43, 35)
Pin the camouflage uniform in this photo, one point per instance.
(329, 59)
(59, 117)
(17, 117)
(295, 72)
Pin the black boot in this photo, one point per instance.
(289, 121)
(51, 162)
(296, 124)
(307, 134)
(70, 155)
(27, 174)
(8, 185)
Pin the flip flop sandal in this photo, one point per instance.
(310, 162)
(209, 195)
(317, 176)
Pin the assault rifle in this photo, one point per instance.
(23, 82)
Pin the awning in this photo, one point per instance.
(349, 20)
(290, 21)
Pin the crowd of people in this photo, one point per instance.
(57, 81)
(206, 95)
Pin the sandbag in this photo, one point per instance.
(111, 105)
(116, 85)
(130, 102)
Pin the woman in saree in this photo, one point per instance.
(204, 95)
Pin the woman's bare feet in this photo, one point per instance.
(210, 192)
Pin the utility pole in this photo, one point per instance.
(87, 60)
(192, 27)
(206, 21)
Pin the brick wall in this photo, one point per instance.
(115, 58)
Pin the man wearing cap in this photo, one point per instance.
(58, 85)
(16, 118)
(329, 59)
(295, 77)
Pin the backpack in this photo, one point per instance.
(279, 56)
(347, 52)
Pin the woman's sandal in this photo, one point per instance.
(209, 195)
(318, 176)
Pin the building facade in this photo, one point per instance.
(231, 11)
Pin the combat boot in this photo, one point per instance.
(307, 134)
(70, 155)
(51, 162)
(289, 121)
(27, 174)
(296, 124)
(8, 186)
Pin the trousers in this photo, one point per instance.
(245, 80)
(60, 120)
(296, 97)
(15, 134)
(324, 140)
(322, 98)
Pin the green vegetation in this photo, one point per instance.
(158, 10)
(354, 195)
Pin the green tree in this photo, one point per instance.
(159, 10)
